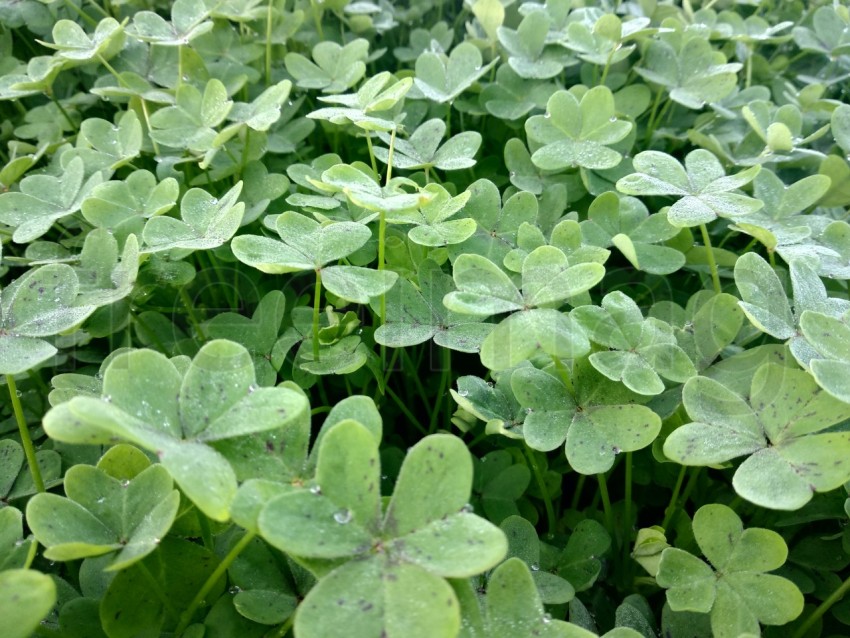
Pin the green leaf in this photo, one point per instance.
(705, 191)
(778, 427)
(441, 79)
(103, 514)
(396, 600)
(336, 68)
(190, 124)
(358, 284)
(188, 21)
(176, 415)
(27, 597)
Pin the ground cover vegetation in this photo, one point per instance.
(480, 319)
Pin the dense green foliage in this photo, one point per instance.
(424, 319)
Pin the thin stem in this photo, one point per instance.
(371, 153)
(577, 493)
(674, 498)
(712, 264)
(88, 19)
(317, 19)
(26, 441)
(269, 42)
(193, 317)
(390, 157)
(317, 304)
(62, 111)
(222, 568)
(541, 484)
(627, 514)
(179, 65)
(650, 124)
(280, 632)
(444, 388)
(405, 410)
(206, 532)
(606, 503)
(824, 607)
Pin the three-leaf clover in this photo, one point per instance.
(40, 303)
(432, 221)
(334, 68)
(705, 190)
(735, 589)
(641, 350)
(779, 425)
(369, 108)
(306, 245)
(423, 149)
(576, 132)
(417, 315)
(191, 122)
(179, 410)
(694, 72)
(103, 513)
(441, 79)
(826, 333)
(528, 53)
(396, 559)
(594, 424)
(188, 21)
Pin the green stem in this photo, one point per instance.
(712, 264)
(86, 17)
(824, 607)
(650, 124)
(390, 157)
(222, 568)
(62, 111)
(26, 441)
(445, 375)
(179, 66)
(541, 484)
(317, 304)
(627, 513)
(317, 19)
(606, 503)
(280, 632)
(269, 42)
(577, 493)
(372, 153)
(405, 410)
(193, 317)
(206, 532)
(674, 498)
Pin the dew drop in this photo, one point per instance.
(547, 115)
(616, 450)
(384, 477)
(512, 174)
(125, 483)
(101, 500)
(463, 393)
(467, 509)
(529, 410)
(535, 567)
(234, 590)
(547, 618)
(252, 388)
(107, 398)
(343, 516)
(19, 394)
(613, 118)
(315, 490)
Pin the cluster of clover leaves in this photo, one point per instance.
(424, 319)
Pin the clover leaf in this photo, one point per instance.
(766, 304)
(40, 303)
(206, 222)
(442, 79)
(423, 149)
(825, 332)
(191, 122)
(432, 221)
(511, 97)
(15, 479)
(306, 245)
(399, 559)
(417, 315)
(361, 188)
(641, 351)
(693, 72)
(528, 53)
(576, 133)
(368, 108)
(188, 21)
(593, 432)
(72, 43)
(103, 514)
(779, 425)
(106, 146)
(735, 589)
(625, 222)
(334, 68)
(26, 597)
(180, 413)
(103, 278)
(125, 203)
(603, 42)
(44, 199)
(705, 190)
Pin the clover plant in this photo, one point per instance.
(479, 319)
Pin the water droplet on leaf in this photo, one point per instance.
(343, 516)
